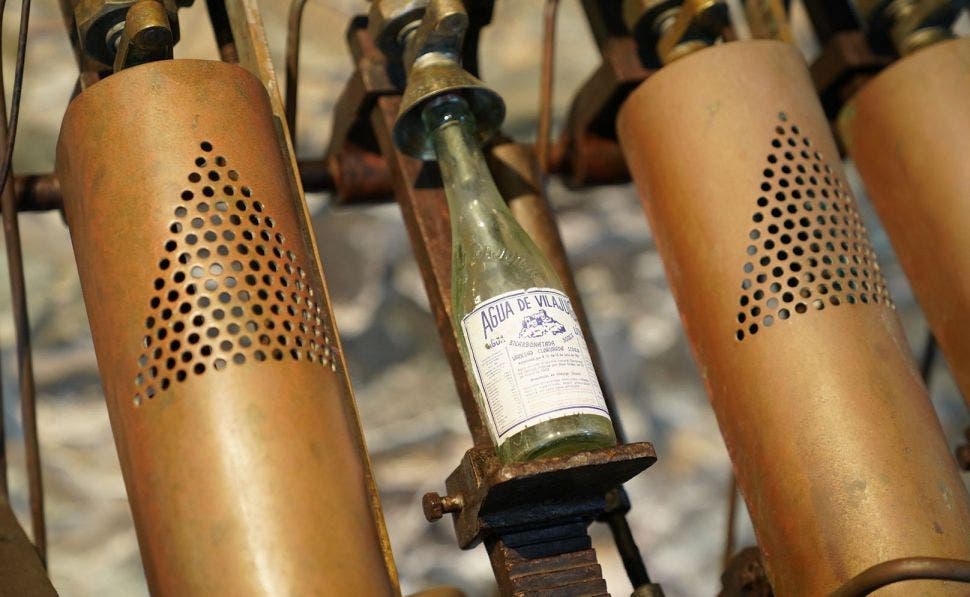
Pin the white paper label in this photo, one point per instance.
(530, 360)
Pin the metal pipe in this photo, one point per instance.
(18, 291)
(219, 19)
(837, 450)
(223, 375)
(908, 132)
(626, 545)
(893, 571)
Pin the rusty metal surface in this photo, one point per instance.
(587, 152)
(22, 573)
(496, 498)
(533, 516)
(908, 132)
(225, 385)
(524, 568)
(836, 447)
(904, 569)
(353, 159)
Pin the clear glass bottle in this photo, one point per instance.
(527, 360)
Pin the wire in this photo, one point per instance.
(894, 571)
(8, 212)
(18, 83)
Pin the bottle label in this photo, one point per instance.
(530, 360)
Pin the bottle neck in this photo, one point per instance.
(474, 202)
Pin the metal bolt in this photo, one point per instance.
(435, 506)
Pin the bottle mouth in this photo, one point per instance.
(446, 109)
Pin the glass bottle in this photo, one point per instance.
(522, 346)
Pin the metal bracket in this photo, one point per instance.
(587, 153)
(488, 497)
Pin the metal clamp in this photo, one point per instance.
(486, 497)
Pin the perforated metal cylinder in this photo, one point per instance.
(835, 445)
(908, 131)
(233, 418)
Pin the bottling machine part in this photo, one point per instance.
(834, 442)
(233, 421)
(908, 131)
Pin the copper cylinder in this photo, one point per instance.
(835, 445)
(908, 131)
(228, 399)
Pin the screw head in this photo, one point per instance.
(433, 508)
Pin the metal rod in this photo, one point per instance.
(15, 264)
(626, 545)
(219, 19)
(902, 569)
(928, 358)
(293, 31)
(543, 141)
(732, 499)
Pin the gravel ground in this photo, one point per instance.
(415, 438)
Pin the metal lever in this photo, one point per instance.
(147, 35)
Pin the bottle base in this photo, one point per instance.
(558, 437)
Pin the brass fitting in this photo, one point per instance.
(768, 19)
(908, 25)
(100, 24)
(666, 30)
(431, 54)
(147, 35)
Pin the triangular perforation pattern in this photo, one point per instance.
(809, 249)
(228, 290)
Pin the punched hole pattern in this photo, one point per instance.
(808, 248)
(228, 291)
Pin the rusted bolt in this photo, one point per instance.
(435, 506)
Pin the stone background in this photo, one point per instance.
(414, 426)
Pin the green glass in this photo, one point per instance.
(493, 255)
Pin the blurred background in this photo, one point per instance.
(411, 415)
